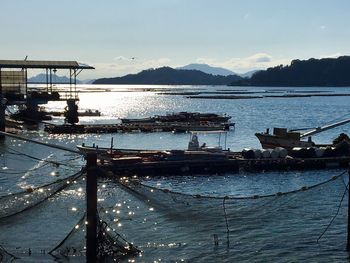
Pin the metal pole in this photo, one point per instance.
(91, 208)
(47, 79)
(111, 145)
(50, 80)
(348, 237)
(26, 81)
(70, 83)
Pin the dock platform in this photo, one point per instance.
(219, 166)
(137, 127)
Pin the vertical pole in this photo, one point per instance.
(75, 84)
(2, 109)
(91, 210)
(26, 81)
(348, 237)
(70, 83)
(225, 140)
(111, 145)
(47, 79)
(50, 80)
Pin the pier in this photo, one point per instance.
(14, 88)
(232, 163)
(137, 127)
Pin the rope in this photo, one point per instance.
(59, 147)
(16, 152)
(302, 189)
(226, 221)
(8, 253)
(78, 174)
(336, 214)
(32, 157)
(118, 235)
(68, 235)
(41, 201)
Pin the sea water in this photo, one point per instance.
(43, 227)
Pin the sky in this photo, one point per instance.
(122, 37)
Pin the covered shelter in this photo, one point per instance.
(14, 79)
(14, 89)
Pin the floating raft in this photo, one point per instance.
(138, 127)
(86, 113)
(129, 166)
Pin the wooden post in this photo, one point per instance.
(91, 208)
(348, 237)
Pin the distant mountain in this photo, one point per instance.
(326, 72)
(87, 81)
(208, 69)
(170, 76)
(41, 78)
(248, 74)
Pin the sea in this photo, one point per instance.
(285, 216)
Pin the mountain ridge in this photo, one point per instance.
(170, 76)
(325, 72)
(41, 78)
(208, 69)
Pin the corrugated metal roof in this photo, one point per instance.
(43, 64)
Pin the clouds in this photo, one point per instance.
(260, 58)
(255, 61)
(334, 55)
(123, 65)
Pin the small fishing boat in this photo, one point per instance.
(281, 137)
(288, 139)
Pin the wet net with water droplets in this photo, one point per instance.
(284, 221)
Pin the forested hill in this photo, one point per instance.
(326, 72)
(170, 76)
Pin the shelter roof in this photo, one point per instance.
(43, 64)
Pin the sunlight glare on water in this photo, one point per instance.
(173, 229)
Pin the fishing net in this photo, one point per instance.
(6, 256)
(21, 170)
(236, 228)
(15, 203)
(111, 245)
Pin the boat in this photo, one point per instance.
(183, 116)
(95, 148)
(289, 139)
(281, 137)
(193, 149)
(201, 159)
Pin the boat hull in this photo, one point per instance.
(269, 141)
